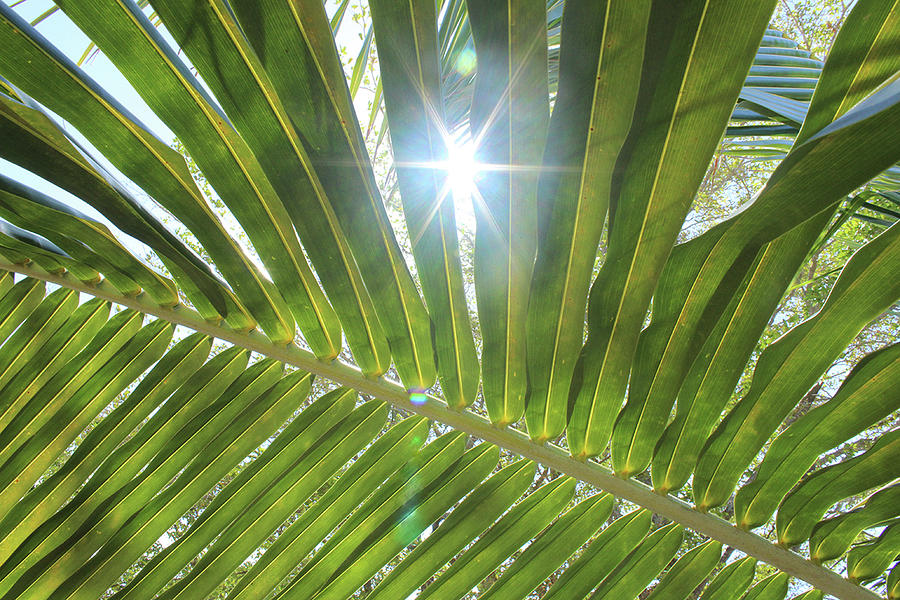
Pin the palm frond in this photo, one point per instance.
(161, 431)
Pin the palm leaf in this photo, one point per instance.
(508, 121)
(411, 86)
(265, 483)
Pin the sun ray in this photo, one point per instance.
(478, 199)
(436, 206)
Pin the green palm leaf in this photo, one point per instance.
(161, 432)
(508, 117)
(578, 162)
(411, 86)
(640, 238)
(731, 581)
(868, 561)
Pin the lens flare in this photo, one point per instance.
(462, 169)
(465, 63)
(417, 397)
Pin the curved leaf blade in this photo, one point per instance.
(411, 85)
(508, 123)
(732, 581)
(132, 43)
(790, 366)
(587, 131)
(865, 397)
(337, 165)
(663, 163)
(806, 504)
(552, 547)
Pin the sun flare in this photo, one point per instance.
(462, 169)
